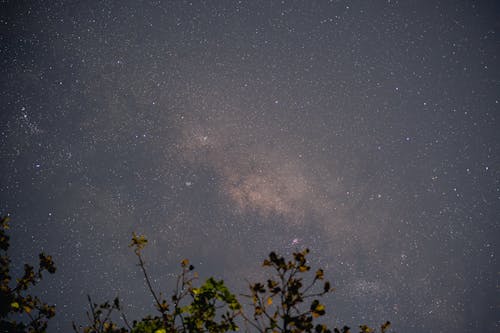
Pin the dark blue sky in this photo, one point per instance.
(366, 131)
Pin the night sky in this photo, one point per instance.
(367, 131)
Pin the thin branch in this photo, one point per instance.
(146, 277)
(126, 321)
(247, 320)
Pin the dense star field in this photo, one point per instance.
(367, 131)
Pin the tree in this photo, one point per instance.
(209, 307)
(279, 305)
(289, 301)
(15, 300)
(282, 304)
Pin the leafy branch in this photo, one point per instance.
(289, 301)
(14, 298)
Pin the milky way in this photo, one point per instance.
(224, 130)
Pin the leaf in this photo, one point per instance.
(185, 263)
(14, 305)
(320, 274)
(304, 268)
(385, 326)
(320, 311)
(365, 329)
(47, 263)
(161, 330)
(321, 328)
(5, 222)
(138, 241)
(163, 306)
(27, 309)
(258, 288)
(258, 311)
(269, 301)
(317, 309)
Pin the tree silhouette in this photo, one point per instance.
(31, 312)
(279, 305)
(289, 301)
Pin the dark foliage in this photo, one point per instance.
(20, 311)
(289, 301)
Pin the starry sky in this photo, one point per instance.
(367, 131)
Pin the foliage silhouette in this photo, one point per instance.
(278, 303)
(210, 307)
(15, 301)
(284, 303)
